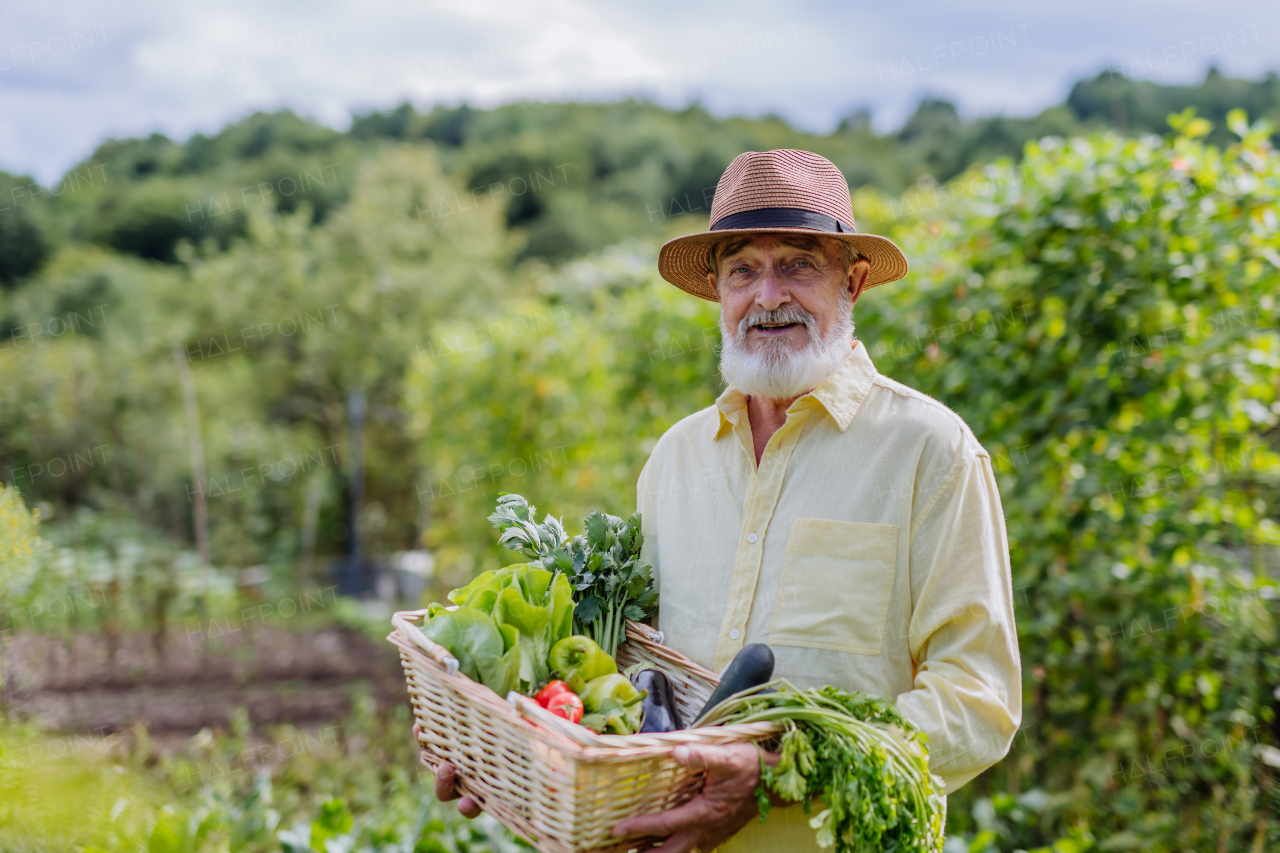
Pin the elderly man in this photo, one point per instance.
(848, 521)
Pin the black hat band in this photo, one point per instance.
(783, 217)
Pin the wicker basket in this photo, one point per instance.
(558, 785)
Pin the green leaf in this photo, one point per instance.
(170, 835)
(588, 610)
(334, 820)
(485, 653)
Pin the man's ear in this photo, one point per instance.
(859, 275)
(711, 280)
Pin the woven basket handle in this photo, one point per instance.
(404, 621)
(650, 634)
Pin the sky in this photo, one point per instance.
(75, 74)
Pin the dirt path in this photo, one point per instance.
(74, 684)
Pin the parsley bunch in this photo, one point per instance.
(603, 565)
(876, 790)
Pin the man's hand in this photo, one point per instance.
(446, 777)
(727, 802)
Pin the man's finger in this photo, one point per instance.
(697, 757)
(662, 824)
(469, 808)
(681, 842)
(446, 779)
(716, 759)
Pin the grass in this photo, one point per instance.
(350, 786)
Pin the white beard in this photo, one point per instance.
(774, 370)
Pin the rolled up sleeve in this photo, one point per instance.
(967, 690)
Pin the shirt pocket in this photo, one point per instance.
(837, 579)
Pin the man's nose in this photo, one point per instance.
(771, 293)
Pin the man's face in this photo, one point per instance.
(785, 304)
(758, 276)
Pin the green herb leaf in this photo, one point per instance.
(588, 610)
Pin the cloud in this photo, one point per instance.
(72, 77)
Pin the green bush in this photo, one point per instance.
(561, 399)
(1106, 319)
(25, 242)
(18, 542)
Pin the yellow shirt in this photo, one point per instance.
(868, 550)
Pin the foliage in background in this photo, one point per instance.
(578, 389)
(352, 786)
(277, 331)
(568, 178)
(1107, 319)
(18, 542)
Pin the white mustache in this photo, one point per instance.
(785, 314)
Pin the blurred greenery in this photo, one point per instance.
(348, 786)
(18, 542)
(1099, 305)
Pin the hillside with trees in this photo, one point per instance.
(617, 169)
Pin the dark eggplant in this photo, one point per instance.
(659, 706)
(751, 667)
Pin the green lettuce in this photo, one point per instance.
(487, 652)
(527, 599)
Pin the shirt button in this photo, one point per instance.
(735, 633)
(751, 537)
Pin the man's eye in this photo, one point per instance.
(739, 269)
(803, 264)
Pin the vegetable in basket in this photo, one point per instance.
(553, 687)
(566, 704)
(557, 698)
(658, 711)
(486, 651)
(613, 705)
(751, 667)
(610, 583)
(537, 603)
(838, 751)
(578, 659)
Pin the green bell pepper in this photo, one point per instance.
(614, 705)
(578, 660)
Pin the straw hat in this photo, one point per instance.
(771, 192)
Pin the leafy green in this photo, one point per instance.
(526, 599)
(514, 516)
(838, 751)
(610, 582)
(487, 652)
(334, 821)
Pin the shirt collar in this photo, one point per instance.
(840, 394)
